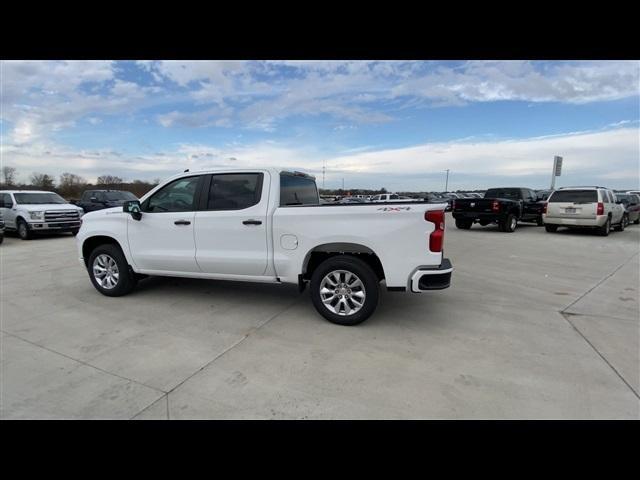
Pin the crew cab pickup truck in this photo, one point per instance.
(504, 206)
(267, 225)
(31, 211)
(92, 200)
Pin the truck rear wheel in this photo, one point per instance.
(551, 228)
(109, 271)
(509, 224)
(463, 224)
(344, 290)
(604, 230)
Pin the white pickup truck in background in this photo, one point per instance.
(267, 225)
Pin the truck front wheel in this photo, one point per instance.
(23, 230)
(109, 271)
(344, 290)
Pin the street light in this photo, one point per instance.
(446, 185)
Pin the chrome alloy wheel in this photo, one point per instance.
(105, 271)
(342, 292)
(514, 222)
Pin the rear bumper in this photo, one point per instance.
(432, 279)
(595, 222)
(485, 216)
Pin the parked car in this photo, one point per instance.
(631, 204)
(267, 225)
(92, 200)
(504, 206)
(1, 228)
(352, 200)
(583, 207)
(392, 197)
(34, 211)
(543, 195)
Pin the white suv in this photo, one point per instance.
(583, 207)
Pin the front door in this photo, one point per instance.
(7, 207)
(231, 228)
(162, 240)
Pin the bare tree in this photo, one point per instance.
(9, 175)
(109, 180)
(42, 181)
(71, 185)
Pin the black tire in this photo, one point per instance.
(463, 224)
(621, 226)
(551, 228)
(126, 278)
(1, 238)
(539, 222)
(357, 267)
(636, 221)
(483, 223)
(23, 230)
(509, 224)
(75, 232)
(604, 230)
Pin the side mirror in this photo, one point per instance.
(132, 207)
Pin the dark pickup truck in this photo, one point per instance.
(504, 206)
(98, 199)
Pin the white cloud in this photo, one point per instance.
(610, 156)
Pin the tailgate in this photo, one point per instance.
(573, 204)
(473, 205)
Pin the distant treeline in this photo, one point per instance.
(71, 186)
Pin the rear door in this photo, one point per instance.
(578, 204)
(231, 226)
(531, 208)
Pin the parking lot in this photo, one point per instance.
(535, 325)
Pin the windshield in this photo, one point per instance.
(511, 193)
(574, 196)
(38, 198)
(120, 196)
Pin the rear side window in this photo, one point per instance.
(234, 191)
(510, 193)
(297, 190)
(574, 196)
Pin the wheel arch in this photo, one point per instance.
(320, 253)
(91, 243)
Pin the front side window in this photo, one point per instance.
(298, 190)
(178, 196)
(234, 191)
(38, 198)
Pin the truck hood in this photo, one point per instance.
(48, 206)
(102, 213)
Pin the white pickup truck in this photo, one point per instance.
(33, 211)
(267, 225)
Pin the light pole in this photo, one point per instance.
(446, 185)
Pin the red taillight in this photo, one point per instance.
(453, 205)
(437, 236)
(495, 206)
(600, 210)
(544, 208)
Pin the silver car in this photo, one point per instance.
(583, 207)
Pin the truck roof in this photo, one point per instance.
(26, 191)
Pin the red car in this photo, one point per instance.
(631, 203)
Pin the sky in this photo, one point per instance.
(371, 124)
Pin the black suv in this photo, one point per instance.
(98, 199)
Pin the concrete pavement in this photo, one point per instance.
(535, 325)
